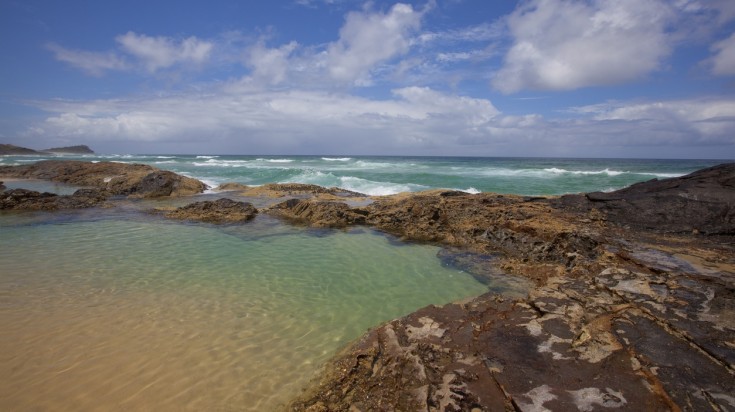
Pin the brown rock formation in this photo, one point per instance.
(135, 180)
(624, 315)
(218, 211)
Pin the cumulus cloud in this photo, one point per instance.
(723, 61)
(91, 62)
(369, 38)
(564, 45)
(162, 52)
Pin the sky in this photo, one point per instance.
(551, 78)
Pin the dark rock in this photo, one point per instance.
(218, 211)
(2, 186)
(703, 201)
(22, 199)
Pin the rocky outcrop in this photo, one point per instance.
(703, 201)
(22, 199)
(134, 180)
(218, 211)
(626, 313)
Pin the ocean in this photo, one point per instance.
(119, 309)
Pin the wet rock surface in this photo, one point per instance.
(215, 211)
(134, 180)
(625, 314)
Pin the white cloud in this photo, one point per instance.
(416, 120)
(564, 45)
(723, 61)
(705, 120)
(163, 52)
(148, 53)
(270, 65)
(91, 62)
(369, 38)
(478, 33)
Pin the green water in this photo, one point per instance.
(127, 311)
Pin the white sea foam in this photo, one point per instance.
(355, 184)
(377, 165)
(207, 157)
(664, 175)
(164, 157)
(607, 172)
(165, 162)
(337, 159)
(470, 190)
(275, 160)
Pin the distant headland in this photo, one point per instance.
(9, 149)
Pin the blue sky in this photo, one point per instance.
(601, 78)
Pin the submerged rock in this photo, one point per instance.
(217, 211)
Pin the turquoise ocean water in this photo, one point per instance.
(118, 309)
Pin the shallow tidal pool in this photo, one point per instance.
(110, 310)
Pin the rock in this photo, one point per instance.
(22, 199)
(624, 314)
(135, 180)
(2, 186)
(275, 190)
(703, 201)
(319, 213)
(164, 183)
(219, 211)
(231, 187)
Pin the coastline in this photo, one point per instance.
(607, 296)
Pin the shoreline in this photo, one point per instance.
(613, 287)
